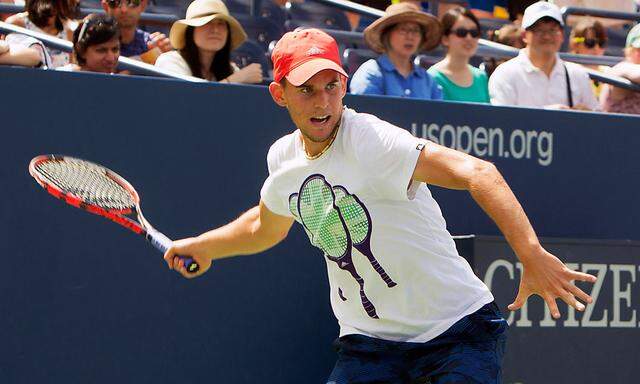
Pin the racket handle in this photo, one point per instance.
(162, 243)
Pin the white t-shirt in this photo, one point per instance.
(519, 82)
(394, 271)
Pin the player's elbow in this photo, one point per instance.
(483, 173)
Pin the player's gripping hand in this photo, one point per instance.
(192, 247)
(546, 276)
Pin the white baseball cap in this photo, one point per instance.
(537, 11)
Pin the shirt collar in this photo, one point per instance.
(387, 66)
(528, 66)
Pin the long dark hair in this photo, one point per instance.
(221, 64)
(95, 29)
(39, 12)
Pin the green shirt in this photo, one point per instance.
(477, 92)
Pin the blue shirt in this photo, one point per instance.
(138, 46)
(380, 77)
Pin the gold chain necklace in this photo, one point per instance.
(331, 139)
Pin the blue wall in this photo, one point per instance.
(84, 301)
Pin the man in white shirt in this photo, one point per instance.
(409, 307)
(537, 77)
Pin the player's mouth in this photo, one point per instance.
(320, 120)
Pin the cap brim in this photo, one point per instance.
(548, 15)
(305, 71)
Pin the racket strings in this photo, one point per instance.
(322, 220)
(87, 181)
(353, 214)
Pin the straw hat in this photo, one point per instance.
(199, 13)
(400, 13)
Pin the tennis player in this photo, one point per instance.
(409, 307)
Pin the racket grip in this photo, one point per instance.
(162, 243)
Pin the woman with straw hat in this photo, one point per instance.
(402, 32)
(204, 41)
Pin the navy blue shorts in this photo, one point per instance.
(469, 352)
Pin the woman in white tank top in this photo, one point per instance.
(51, 18)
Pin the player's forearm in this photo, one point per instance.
(244, 236)
(491, 192)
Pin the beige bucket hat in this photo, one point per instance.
(400, 13)
(199, 13)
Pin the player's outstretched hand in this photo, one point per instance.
(187, 247)
(546, 276)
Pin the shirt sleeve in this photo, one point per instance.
(269, 193)
(367, 80)
(389, 155)
(172, 61)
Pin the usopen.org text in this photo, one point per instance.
(490, 142)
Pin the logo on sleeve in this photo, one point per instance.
(420, 147)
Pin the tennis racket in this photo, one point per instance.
(100, 191)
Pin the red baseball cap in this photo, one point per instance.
(300, 54)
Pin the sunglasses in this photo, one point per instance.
(463, 32)
(590, 43)
(130, 3)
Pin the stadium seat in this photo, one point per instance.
(353, 58)
(262, 31)
(90, 4)
(268, 10)
(426, 61)
(316, 15)
(251, 52)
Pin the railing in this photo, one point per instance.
(579, 11)
(124, 63)
(162, 19)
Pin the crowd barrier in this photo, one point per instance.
(85, 301)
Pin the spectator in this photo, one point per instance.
(399, 35)
(16, 54)
(96, 45)
(589, 37)
(508, 34)
(537, 77)
(53, 18)
(20, 40)
(205, 39)
(516, 8)
(615, 99)
(459, 80)
(609, 5)
(134, 42)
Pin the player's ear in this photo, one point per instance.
(343, 84)
(277, 93)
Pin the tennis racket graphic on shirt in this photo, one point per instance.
(100, 191)
(358, 224)
(327, 230)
